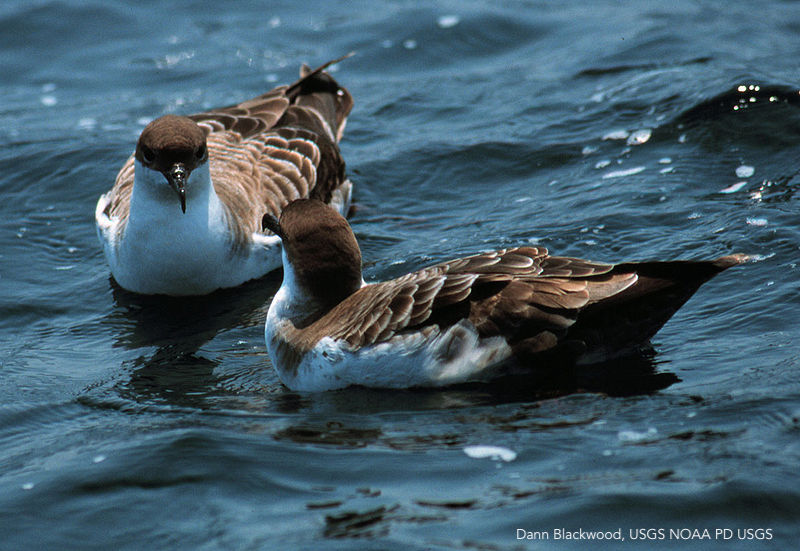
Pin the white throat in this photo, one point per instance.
(152, 193)
(162, 244)
(290, 302)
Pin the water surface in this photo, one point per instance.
(612, 132)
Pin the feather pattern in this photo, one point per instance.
(277, 147)
(463, 319)
(521, 283)
(236, 167)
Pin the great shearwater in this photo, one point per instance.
(469, 319)
(184, 216)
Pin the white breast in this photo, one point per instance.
(434, 358)
(162, 250)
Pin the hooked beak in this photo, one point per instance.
(269, 222)
(177, 181)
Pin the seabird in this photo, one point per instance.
(184, 216)
(514, 310)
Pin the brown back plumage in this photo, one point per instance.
(540, 304)
(267, 151)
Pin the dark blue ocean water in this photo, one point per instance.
(606, 130)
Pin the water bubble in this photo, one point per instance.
(616, 135)
(636, 436)
(761, 222)
(640, 136)
(745, 171)
(448, 21)
(410, 44)
(87, 123)
(495, 453)
(733, 188)
(621, 173)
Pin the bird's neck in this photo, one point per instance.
(155, 206)
(303, 304)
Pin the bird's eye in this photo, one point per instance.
(200, 153)
(148, 155)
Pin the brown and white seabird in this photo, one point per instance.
(184, 216)
(469, 319)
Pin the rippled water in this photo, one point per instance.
(608, 132)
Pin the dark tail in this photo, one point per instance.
(633, 316)
(318, 91)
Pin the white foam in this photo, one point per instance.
(495, 453)
(87, 123)
(617, 135)
(733, 188)
(621, 173)
(640, 136)
(636, 436)
(448, 21)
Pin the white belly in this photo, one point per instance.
(433, 359)
(164, 251)
(189, 262)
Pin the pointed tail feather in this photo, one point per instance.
(320, 91)
(633, 316)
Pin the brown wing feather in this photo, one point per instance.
(499, 291)
(560, 306)
(268, 150)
